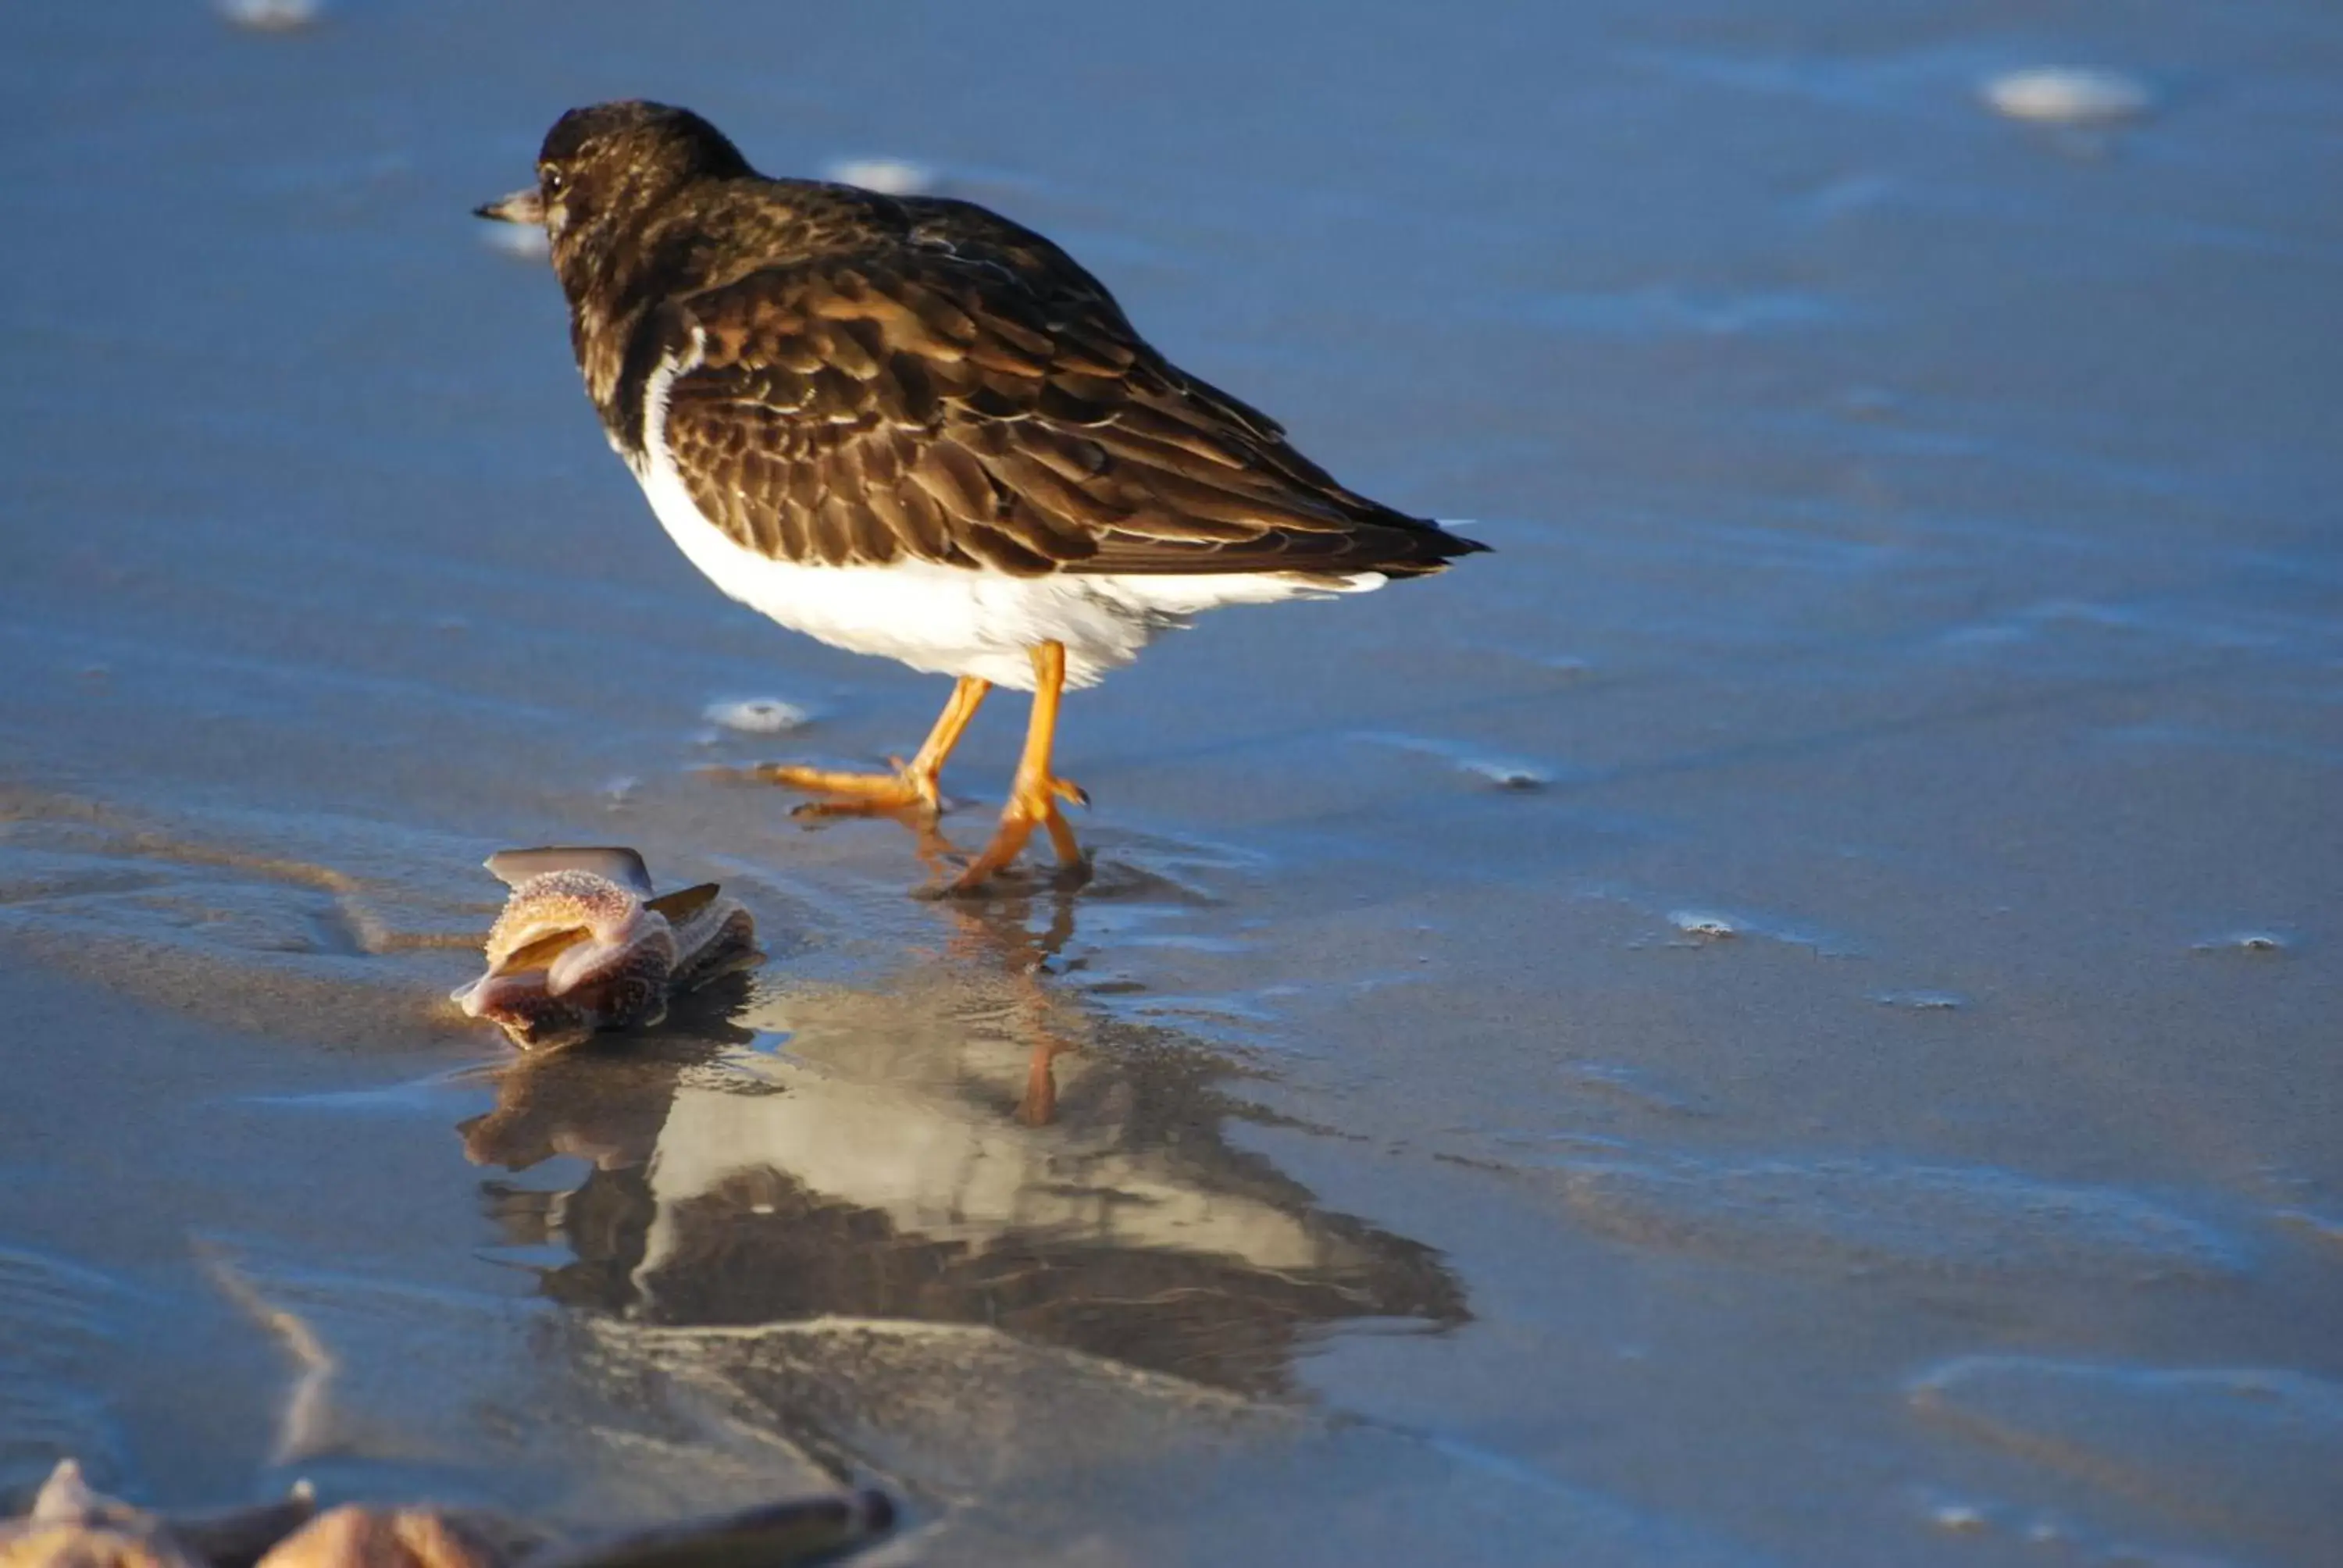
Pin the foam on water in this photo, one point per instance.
(2249, 943)
(1706, 925)
(2068, 94)
(758, 715)
(272, 16)
(1514, 774)
(1699, 926)
(1922, 1001)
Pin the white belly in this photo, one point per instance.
(954, 620)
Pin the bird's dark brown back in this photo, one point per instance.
(849, 377)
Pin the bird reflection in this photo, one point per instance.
(969, 1141)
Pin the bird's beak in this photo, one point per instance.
(521, 206)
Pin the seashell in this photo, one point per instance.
(352, 1536)
(625, 866)
(584, 945)
(73, 1526)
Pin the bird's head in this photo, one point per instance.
(602, 167)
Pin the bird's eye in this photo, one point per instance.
(553, 180)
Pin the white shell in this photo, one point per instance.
(2068, 94)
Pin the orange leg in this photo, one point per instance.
(1038, 1106)
(1034, 795)
(911, 785)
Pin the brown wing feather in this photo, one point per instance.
(978, 400)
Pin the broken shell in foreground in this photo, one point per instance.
(71, 1526)
(583, 944)
(351, 1536)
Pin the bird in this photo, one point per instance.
(908, 426)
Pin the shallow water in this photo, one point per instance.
(1785, 1016)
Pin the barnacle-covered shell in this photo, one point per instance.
(581, 945)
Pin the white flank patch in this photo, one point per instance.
(948, 621)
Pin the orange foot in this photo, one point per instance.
(1034, 795)
(912, 786)
(1032, 803)
(907, 788)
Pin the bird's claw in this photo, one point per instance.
(1031, 804)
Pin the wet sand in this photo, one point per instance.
(1786, 1016)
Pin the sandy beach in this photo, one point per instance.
(1786, 1016)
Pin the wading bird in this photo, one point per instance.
(907, 426)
